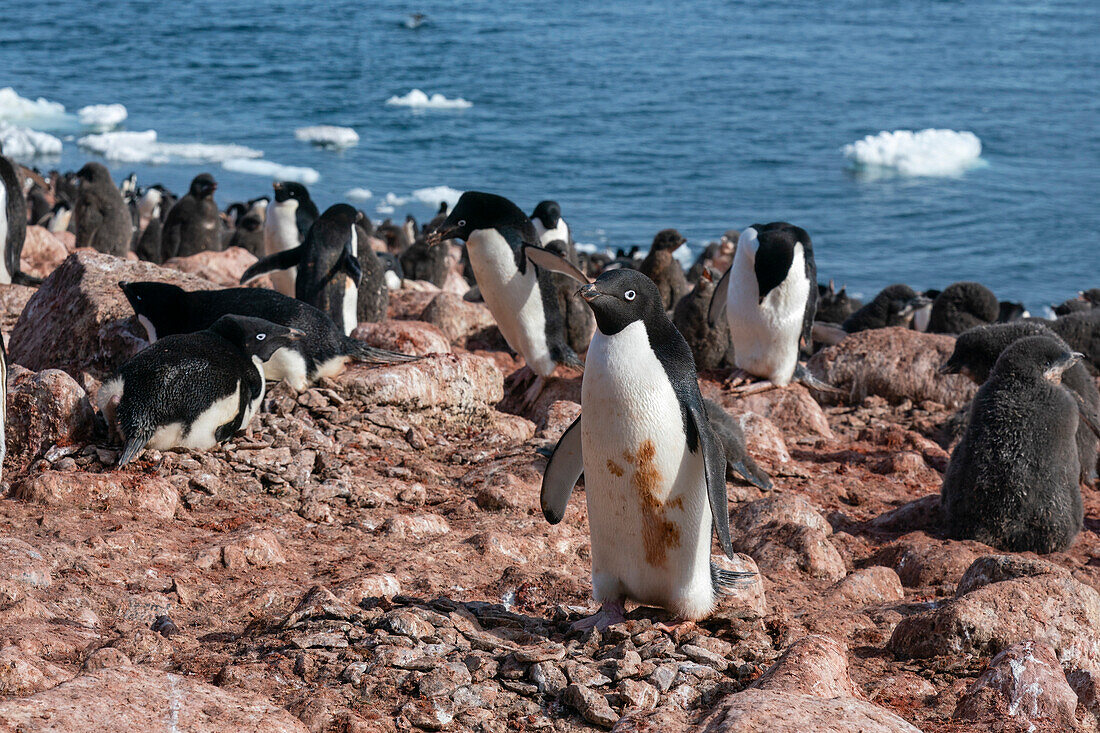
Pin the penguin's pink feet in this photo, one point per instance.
(737, 378)
(676, 629)
(749, 388)
(610, 613)
(533, 392)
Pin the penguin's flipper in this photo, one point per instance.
(349, 263)
(133, 448)
(22, 278)
(549, 261)
(718, 300)
(1088, 415)
(279, 261)
(726, 581)
(747, 469)
(358, 350)
(563, 470)
(714, 464)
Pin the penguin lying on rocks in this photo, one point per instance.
(895, 305)
(192, 390)
(321, 350)
(962, 306)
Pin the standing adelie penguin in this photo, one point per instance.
(769, 295)
(1012, 480)
(550, 226)
(500, 240)
(577, 320)
(192, 390)
(248, 230)
(653, 468)
(164, 310)
(662, 267)
(102, 219)
(13, 224)
(327, 264)
(710, 343)
(285, 225)
(962, 306)
(895, 305)
(374, 293)
(977, 350)
(194, 224)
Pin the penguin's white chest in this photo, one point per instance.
(280, 234)
(350, 304)
(765, 334)
(252, 407)
(288, 364)
(5, 276)
(648, 513)
(546, 236)
(200, 434)
(512, 297)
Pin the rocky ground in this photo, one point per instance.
(373, 558)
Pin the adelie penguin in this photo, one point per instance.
(977, 350)
(192, 390)
(769, 296)
(248, 226)
(13, 225)
(1012, 480)
(327, 264)
(662, 267)
(286, 222)
(962, 306)
(654, 469)
(513, 274)
(102, 220)
(895, 305)
(550, 226)
(321, 351)
(194, 224)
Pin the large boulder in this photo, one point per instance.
(42, 252)
(222, 268)
(45, 409)
(792, 408)
(79, 320)
(128, 699)
(461, 320)
(415, 338)
(13, 299)
(143, 495)
(897, 364)
(786, 534)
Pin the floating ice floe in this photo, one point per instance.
(30, 112)
(328, 136)
(22, 142)
(433, 195)
(143, 147)
(277, 172)
(358, 194)
(102, 116)
(384, 209)
(419, 100)
(929, 152)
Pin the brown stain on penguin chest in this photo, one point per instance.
(659, 534)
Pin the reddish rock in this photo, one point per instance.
(460, 320)
(870, 586)
(792, 408)
(781, 509)
(921, 560)
(132, 699)
(223, 268)
(79, 320)
(405, 337)
(24, 568)
(42, 252)
(13, 299)
(356, 590)
(260, 549)
(1025, 682)
(763, 439)
(407, 304)
(784, 533)
(922, 514)
(897, 364)
(813, 665)
(25, 674)
(143, 495)
(45, 409)
(559, 416)
(754, 711)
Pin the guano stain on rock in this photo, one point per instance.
(658, 533)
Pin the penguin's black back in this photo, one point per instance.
(16, 212)
(882, 311)
(321, 278)
(1012, 480)
(962, 306)
(774, 257)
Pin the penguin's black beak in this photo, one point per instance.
(589, 292)
(296, 335)
(122, 284)
(439, 235)
(1054, 373)
(950, 367)
(277, 186)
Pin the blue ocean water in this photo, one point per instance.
(634, 115)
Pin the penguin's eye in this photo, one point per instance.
(261, 336)
(461, 223)
(629, 295)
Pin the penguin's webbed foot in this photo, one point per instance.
(749, 388)
(610, 613)
(736, 378)
(676, 629)
(533, 392)
(806, 377)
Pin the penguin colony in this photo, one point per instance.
(652, 452)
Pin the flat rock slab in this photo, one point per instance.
(126, 700)
(753, 711)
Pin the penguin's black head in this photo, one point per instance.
(620, 297)
(343, 215)
(1010, 312)
(203, 185)
(235, 211)
(476, 210)
(977, 350)
(558, 247)
(1036, 357)
(548, 212)
(667, 239)
(771, 249)
(161, 303)
(255, 336)
(1092, 295)
(93, 173)
(290, 190)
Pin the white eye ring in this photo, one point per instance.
(461, 223)
(261, 336)
(629, 295)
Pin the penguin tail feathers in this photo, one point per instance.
(727, 581)
(748, 469)
(134, 447)
(279, 261)
(362, 352)
(806, 377)
(570, 359)
(22, 278)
